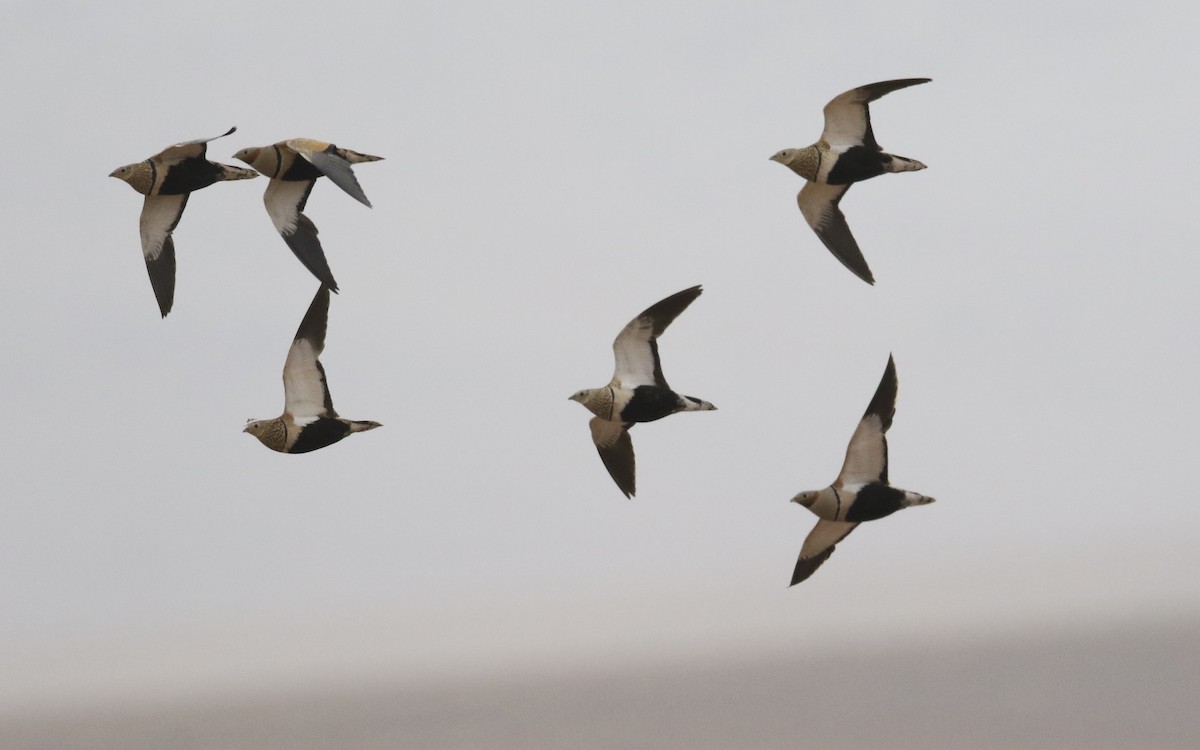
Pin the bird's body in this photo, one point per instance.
(294, 167)
(167, 179)
(287, 436)
(309, 421)
(638, 392)
(845, 154)
(861, 492)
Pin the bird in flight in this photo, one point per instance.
(847, 153)
(861, 492)
(638, 392)
(294, 167)
(309, 421)
(167, 179)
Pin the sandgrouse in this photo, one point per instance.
(166, 179)
(294, 167)
(861, 492)
(308, 421)
(638, 392)
(847, 153)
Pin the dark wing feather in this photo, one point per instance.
(819, 204)
(818, 546)
(305, 392)
(285, 200)
(160, 216)
(867, 455)
(848, 118)
(636, 348)
(616, 451)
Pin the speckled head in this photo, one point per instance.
(140, 176)
(270, 432)
(598, 401)
(803, 161)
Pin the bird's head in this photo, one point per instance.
(806, 498)
(248, 155)
(785, 156)
(139, 176)
(598, 401)
(803, 161)
(255, 427)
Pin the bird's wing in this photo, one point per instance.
(305, 394)
(636, 348)
(187, 150)
(848, 118)
(160, 215)
(818, 546)
(284, 201)
(324, 157)
(819, 204)
(616, 451)
(867, 454)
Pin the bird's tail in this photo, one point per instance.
(912, 498)
(363, 425)
(903, 164)
(695, 404)
(355, 157)
(236, 173)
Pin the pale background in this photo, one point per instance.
(552, 169)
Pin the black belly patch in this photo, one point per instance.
(189, 175)
(855, 164)
(318, 434)
(875, 501)
(650, 402)
(300, 169)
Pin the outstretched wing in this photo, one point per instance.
(325, 157)
(616, 451)
(187, 150)
(305, 393)
(819, 204)
(866, 456)
(636, 346)
(848, 118)
(818, 546)
(160, 215)
(285, 201)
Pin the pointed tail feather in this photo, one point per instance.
(236, 173)
(904, 164)
(695, 404)
(913, 498)
(355, 157)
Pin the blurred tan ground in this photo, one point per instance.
(1129, 688)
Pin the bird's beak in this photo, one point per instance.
(113, 173)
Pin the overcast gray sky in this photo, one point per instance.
(553, 168)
